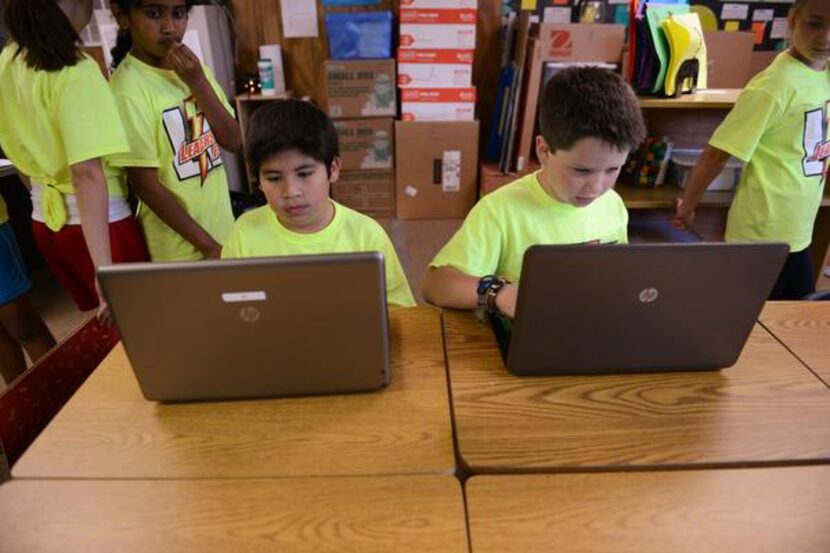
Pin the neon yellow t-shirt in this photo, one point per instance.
(51, 120)
(779, 127)
(167, 130)
(503, 224)
(258, 233)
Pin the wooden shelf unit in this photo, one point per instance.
(712, 98)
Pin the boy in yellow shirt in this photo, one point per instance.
(590, 119)
(292, 147)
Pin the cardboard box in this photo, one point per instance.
(446, 16)
(435, 68)
(436, 176)
(360, 88)
(438, 104)
(370, 192)
(366, 143)
(438, 4)
(438, 36)
(570, 42)
(729, 58)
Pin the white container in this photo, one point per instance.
(266, 77)
(273, 52)
(683, 161)
(438, 104)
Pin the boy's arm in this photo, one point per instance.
(144, 181)
(449, 287)
(710, 164)
(187, 66)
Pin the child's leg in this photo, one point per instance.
(12, 362)
(19, 321)
(796, 279)
(23, 324)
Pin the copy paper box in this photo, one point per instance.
(435, 169)
(360, 88)
(435, 68)
(438, 36)
(438, 104)
(366, 143)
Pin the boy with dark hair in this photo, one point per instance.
(590, 119)
(292, 147)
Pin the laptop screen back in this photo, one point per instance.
(638, 308)
(253, 327)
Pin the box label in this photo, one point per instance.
(451, 174)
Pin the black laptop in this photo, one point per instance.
(636, 308)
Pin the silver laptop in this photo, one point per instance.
(260, 327)
(636, 308)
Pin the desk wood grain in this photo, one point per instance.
(766, 409)
(766, 510)
(360, 514)
(108, 430)
(804, 328)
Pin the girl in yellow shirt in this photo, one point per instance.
(176, 118)
(58, 124)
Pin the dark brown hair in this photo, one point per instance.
(124, 40)
(284, 125)
(43, 33)
(581, 102)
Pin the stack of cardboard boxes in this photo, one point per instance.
(361, 100)
(437, 137)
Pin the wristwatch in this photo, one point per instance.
(488, 289)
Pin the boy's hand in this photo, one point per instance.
(103, 313)
(683, 216)
(506, 299)
(184, 62)
(211, 250)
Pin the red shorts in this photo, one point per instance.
(66, 254)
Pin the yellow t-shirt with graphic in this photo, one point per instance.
(259, 233)
(504, 223)
(51, 120)
(167, 131)
(779, 127)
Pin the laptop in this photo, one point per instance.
(599, 309)
(251, 328)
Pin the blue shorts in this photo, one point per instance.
(14, 282)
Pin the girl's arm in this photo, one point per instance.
(147, 187)
(187, 66)
(710, 164)
(93, 207)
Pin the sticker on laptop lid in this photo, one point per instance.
(239, 297)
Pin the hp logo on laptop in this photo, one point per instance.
(249, 314)
(649, 295)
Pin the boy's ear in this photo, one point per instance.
(334, 173)
(542, 148)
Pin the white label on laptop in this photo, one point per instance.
(451, 173)
(238, 297)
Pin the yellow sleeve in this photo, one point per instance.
(476, 248)
(86, 114)
(232, 248)
(398, 293)
(741, 131)
(140, 125)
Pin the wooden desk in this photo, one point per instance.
(108, 430)
(804, 328)
(765, 510)
(362, 514)
(766, 409)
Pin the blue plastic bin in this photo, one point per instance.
(359, 35)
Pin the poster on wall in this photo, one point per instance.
(299, 18)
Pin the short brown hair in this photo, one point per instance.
(580, 102)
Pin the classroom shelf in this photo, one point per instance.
(712, 98)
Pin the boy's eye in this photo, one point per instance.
(582, 171)
(179, 12)
(305, 174)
